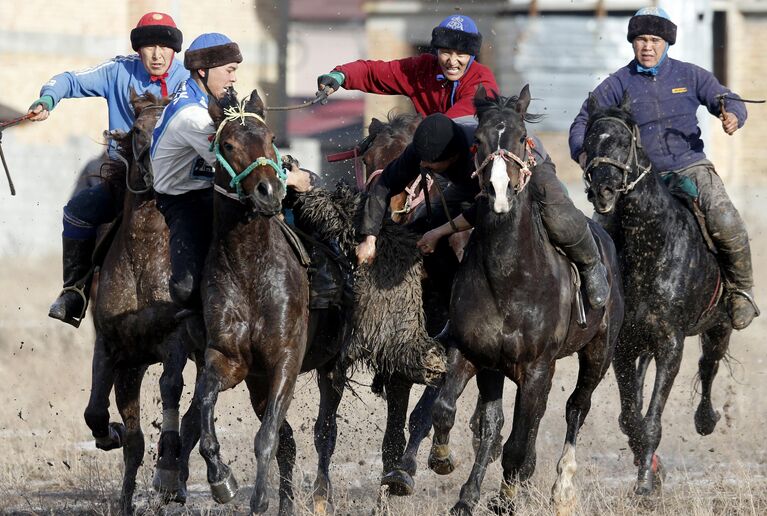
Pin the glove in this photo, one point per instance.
(330, 80)
(46, 101)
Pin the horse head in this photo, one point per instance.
(386, 140)
(614, 155)
(501, 141)
(147, 109)
(249, 161)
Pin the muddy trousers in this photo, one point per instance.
(189, 217)
(83, 214)
(568, 229)
(728, 232)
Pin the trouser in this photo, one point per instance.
(724, 225)
(189, 217)
(88, 209)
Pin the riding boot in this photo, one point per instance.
(325, 280)
(735, 259)
(585, 255)
(72, 302)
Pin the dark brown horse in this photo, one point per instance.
(513, 313)
(256, 308)
(671, 279)
(135, 319)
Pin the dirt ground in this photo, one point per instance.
(49, 464)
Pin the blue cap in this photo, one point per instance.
(210, 51)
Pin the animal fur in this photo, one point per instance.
(387, 330)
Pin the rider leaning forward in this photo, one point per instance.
(182, 161)
(665, 95)
(153, 69)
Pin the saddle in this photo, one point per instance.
(684, 189)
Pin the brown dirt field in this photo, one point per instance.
(49, 465)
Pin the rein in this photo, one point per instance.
(232, 114)
(148, 175)
(626, 167)
(322, 98)
(506, 155)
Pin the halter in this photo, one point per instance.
(627, 167)
(238, 113)
(147, 175)
(524, 164)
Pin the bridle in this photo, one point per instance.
(524, 164)
(626, 166)
(146, 172)
(239, 113)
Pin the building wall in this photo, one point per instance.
(39, 39)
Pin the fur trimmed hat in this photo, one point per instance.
(437, 138)
(457, 32)
(654, 21)
(211, 50)
(156, 29)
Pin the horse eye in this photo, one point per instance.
(228, 146)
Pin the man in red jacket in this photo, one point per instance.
(442, 82)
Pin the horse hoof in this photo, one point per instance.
(706, 419)
(166, 481)
(461, 509)
(180, 496)
(399, 482)
(323, 506)
(225, 489)
(441, 459)
(114, 439)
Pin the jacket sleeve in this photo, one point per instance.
(383, 77)
(608, 93)
(707, 90)
(394, 179)
(93, 82)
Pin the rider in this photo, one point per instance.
(182, 161)
(442, 82)
(156, 39)
(441, 146)
(666, 94)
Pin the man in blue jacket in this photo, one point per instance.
(665, 95)
(153, 69)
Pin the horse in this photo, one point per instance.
(256, 310)
(514, 312)
(672, 283)
(135, 319)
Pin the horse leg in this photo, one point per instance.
(643, 362)
(166, 477)
(668, 358)
(490, 385)
(594, 359)
(475, 424)
(280, 393)
(519, 451)
(714, 344)
(459, 372)
(217, 375)
(400, 479)
(108, 435)
(128, 400)
(393, 445)
(630, 418)
(190, 435)
(331, 386)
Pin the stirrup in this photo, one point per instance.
(79, 288)
(748, 296)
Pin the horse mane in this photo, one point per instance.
(501, 105)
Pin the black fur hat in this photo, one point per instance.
(654, 21)
(156, 29)
(457, 32)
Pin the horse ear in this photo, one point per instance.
(255, 104)
(215, 110)
(375, 126)
(592, 104)
(481, 93)
(524, 99)
(626, 102)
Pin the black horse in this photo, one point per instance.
(257, 315)
(514, 312)
(672, 282)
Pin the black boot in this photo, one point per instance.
(739, 282)
(585, 255)
(72, 302)
(326, 280)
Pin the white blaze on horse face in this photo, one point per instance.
(499, 178)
